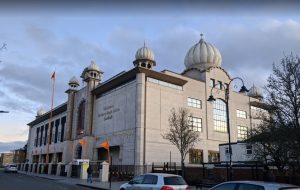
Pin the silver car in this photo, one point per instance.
(11, 168)
(156, 181)
(253, 185)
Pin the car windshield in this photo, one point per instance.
(174, 180)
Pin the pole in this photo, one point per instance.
(228, 130)
(50, 120)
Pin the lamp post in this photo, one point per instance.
(212, 99)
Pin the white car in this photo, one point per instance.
(11, 168)
(253, 185)
(156, 181)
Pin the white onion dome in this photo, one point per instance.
(93, 67)
(40, 112)
(255, 92)
(74, 81)
(202, 55)
(144, 53)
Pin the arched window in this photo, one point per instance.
(220, 116)
(80, 118)
(143, 64)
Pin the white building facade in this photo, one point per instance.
(131, 112)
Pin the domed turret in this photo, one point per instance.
(73, 83)
(40, 112)
(202, 55)
(255, 92)
(92, 72)
(144, 57)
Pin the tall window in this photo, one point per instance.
(63, 122)
(196, 123)
(195, 103)
(220, 116)
(80, 118)
(195, 156)
(220, 86)
(212, 82)
(242, 132)
(241, 114)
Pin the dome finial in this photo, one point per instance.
(144, 43)
(201, 35)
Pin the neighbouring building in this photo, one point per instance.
(20, 155)
(6, 158)
(131, 111)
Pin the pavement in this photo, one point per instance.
(79, 182)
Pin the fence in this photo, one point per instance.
(127, 172)
(96, 166)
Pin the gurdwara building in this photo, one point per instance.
(131, 112)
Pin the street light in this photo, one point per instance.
(212, 99)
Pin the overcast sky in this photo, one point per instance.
(65, 37)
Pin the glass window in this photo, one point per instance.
(195, 123)
(220, 86)
(212, 82)
(248, 149)
(220, 116)
(250, 187)
(195, 103)
(174, 180)
(242, 132)
(227, 186)
(150, 179)
(227, 150)
(138, 179)
(80, 118)
(213, 156)
(241, 114)
(195, 156)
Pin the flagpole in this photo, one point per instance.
(50, 119)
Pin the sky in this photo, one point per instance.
(41, 38)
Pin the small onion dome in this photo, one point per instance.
(255, 92)
(93, 67)
(202, 55)
(74, 81)
(144, 53)
(40, 112)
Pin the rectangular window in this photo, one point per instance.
(56, 130)
(248, 149)
(195, 123)
(213, 156)
(212, 82)
(37, 136)
(195, 156)
(63, 122)
(46, 134)
(227, 150)
(41, 139)
(242, 132)
(220, 86)
(195, 103)
(241, 114)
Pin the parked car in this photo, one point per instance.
(11, 168)
(254, 185)
(156, 181)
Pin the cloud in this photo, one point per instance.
(9, 146)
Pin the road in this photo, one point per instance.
(15, 181)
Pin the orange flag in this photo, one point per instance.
(82, 142)
(105, 145)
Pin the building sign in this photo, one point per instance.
(108, 112)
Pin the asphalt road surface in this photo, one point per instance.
(15, 181)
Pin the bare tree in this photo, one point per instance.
(277, 139)
(180, 133)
